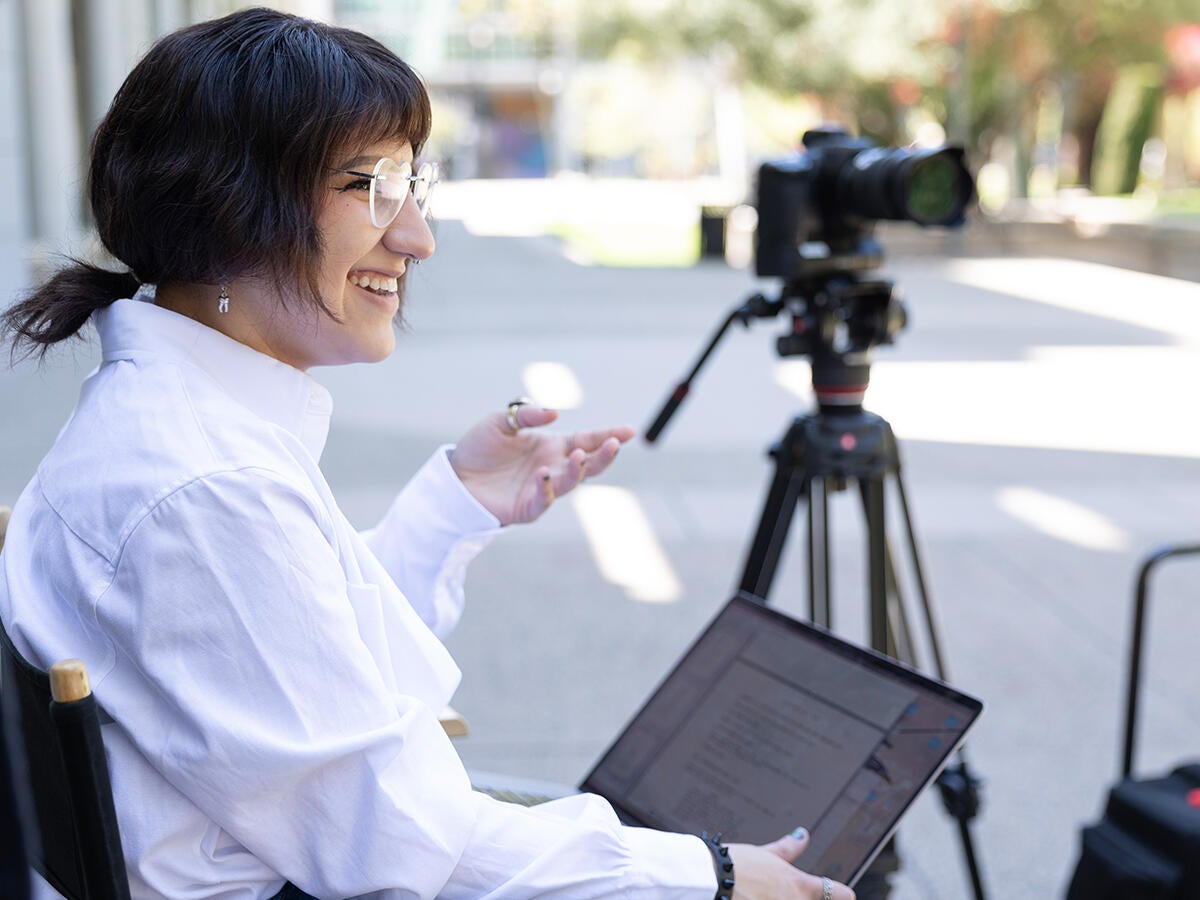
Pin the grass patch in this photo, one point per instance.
(1178, 203)
(634, 245)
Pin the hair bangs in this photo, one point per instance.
(383, 100)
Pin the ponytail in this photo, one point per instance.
(61, 307)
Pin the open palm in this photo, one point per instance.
(517, 475)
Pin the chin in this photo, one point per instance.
(380, 351)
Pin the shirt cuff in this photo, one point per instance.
(680, 860)
(465, 509)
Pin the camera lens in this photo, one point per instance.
(929, 187)
(934, 190)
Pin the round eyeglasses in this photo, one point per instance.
(391, 182)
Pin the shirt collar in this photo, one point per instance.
(137, 329)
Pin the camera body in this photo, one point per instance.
(817, 209)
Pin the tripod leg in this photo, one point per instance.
(960, 795)
(959, 788)
(931, 627)
(964, 831)
(787, 486)
(820, 610)
(900, 643)
(872, 490)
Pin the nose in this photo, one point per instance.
(409, 233)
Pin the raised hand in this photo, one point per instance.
(516, 470)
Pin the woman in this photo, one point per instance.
(273, 676)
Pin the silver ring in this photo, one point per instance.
(826, 888)
(511, 413)
(570, 444)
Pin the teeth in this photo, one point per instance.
(375, 282)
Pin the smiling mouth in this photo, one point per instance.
(379, 284)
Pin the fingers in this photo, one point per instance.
(551, 486)
(592, 440)
(601, 446)
(578, 467)
(821, 888)
(547, 494)
(525, 415)
(601, 459)
(790, 846)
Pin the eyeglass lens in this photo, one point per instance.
(392, 182)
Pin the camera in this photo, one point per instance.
(817, 209)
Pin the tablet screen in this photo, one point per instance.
(768, 723)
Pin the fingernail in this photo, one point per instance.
(800, 834)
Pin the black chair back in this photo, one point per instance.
(16, 815)
(80, 846)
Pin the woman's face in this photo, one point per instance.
(362, 266)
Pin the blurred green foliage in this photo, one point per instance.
(985, 68)
(1127, 123)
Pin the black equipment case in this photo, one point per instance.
(1147, 845)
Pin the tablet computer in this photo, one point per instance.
(767, 723)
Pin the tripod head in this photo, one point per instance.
(838, 317)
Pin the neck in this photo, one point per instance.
(244, 319)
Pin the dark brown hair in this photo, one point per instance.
(213, 157)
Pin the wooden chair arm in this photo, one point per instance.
(453, 723)
(69, 681)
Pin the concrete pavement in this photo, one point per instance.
(1049, 442)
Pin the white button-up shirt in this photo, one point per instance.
(273, 676)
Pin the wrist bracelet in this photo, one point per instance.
(722, 863)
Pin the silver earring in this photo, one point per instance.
(223, 300)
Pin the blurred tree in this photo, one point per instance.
(1025, 53)
(836, 48)
(988, 68)
(1127, 123)
(763, 35)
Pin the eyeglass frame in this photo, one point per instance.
(427, 173)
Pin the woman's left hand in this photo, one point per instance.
(516, 475)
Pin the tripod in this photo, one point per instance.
(836, 318)
(820, 452)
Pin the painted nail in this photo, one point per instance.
(800, 834)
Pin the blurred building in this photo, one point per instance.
(61, 62)
(496, 70)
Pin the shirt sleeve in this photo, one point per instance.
(428, 535)
(576, 849)
(243, 678)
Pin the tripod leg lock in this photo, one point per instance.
(960, 792)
